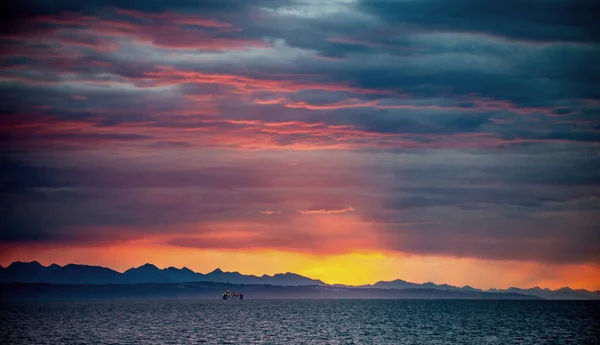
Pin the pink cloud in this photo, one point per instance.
(327, 211)
(167, 75)
(41, 129)
(333, 234)
(478, 105)
(165, 30)
(269, 212)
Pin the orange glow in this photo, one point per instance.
(348, 268)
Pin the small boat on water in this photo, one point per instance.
(232, 295)
(228, 294)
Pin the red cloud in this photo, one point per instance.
(42, 129)
(166, 75)
(166, 30)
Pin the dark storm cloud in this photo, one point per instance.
(483, 241)
(556, 73)
(17, 11)
(528, 205)
(562, 20)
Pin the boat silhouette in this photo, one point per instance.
(228, 294)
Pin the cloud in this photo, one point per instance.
(107, 33)
(143, 198)
(333, 235)
(269, 212)
(527, 20)
(327, 211)
(449, 134)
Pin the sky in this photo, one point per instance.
(347, 140)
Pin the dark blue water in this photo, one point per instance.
(302, 322)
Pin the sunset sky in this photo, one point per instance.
(347, 140)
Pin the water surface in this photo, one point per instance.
(302, 322)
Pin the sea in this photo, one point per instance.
(301, 322)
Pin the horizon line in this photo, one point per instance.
(331, 284)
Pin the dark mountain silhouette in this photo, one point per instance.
(401, 284)
(562, 293)
(34, 272)
(395, 284)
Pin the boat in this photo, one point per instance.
(228, 294)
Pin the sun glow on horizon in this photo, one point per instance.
(354, 268)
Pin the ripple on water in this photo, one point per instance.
(302, 322)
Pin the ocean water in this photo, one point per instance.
(301, 322)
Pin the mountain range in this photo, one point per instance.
(34, 272)
(562, 293)
(72, 274)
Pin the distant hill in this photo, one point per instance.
(210, 290)
(563, 293)
(34, 272)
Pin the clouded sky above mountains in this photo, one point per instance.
(353, 141)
